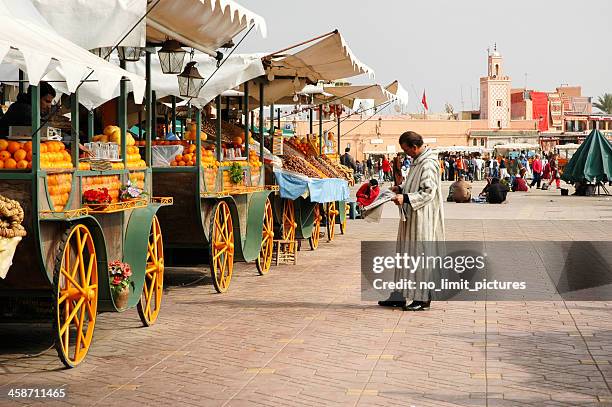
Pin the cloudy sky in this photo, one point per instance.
(440, 45)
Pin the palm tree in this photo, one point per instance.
(604, 103)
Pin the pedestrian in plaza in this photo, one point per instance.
(479, 163)
(520, 184)
(451, 168)
(460, 191)
(446, 169)
(503, 171)
(554, 171)
(386, 167)
(381, 174)
(369, 165)
(348, 160)
(420, 202)
(398, 176)
(460, 169)
(536, 167)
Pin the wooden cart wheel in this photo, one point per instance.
(75, 280)
(289, 224)
(316, 228)
(264, 260)
(332, 212)
(221, 247)
(152, 290)
(346, 215)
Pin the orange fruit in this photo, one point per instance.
(172, 163)
(3, 144)
(29, 155)
(13, 146)
(4, 155)
(190, 163)
(43, 148)
(181, 163)
(22, 164)
(178, 158)
(29, 165)
(27, 146)
(1, 164)
(19, 155)
(192, 148)
(10, 163)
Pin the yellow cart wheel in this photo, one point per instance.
(221, 247)
(289, 225)
(152, 290)
(332, 212)
(316, 227)
(346, 216)
(76, 295)
(264, 260)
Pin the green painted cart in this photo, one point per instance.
(66, 253)
(214, 218)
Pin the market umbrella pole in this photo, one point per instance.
(149, 108)
(74, 127)
(320, 129)
(278, 112)
(310, 120)
(90, 125)
(339, 136)
(199, 141)
(218, 129)
(272, 119)
(246, 119)
(174, 115)
(261, 132)
(122, 113)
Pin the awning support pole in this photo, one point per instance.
(149, 109)
(74, 127)
(174, 115)
(320, 129)
(218, 128)
(246, 120)
(122, 113)
(261, 132)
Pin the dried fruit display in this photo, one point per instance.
(11, 216)
(299, 165)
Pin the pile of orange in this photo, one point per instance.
(53, 155)
(187, 159)
(110, 182)
(59, 187)
(137, 178)
(15, 155)
(134, 160)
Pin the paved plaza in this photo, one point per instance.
(301, 336)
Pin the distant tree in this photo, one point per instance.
(604, 103)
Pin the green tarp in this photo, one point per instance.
(592, 161)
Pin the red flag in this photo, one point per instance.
(424, 101)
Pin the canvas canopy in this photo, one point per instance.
(517, 146)
(326, 60)
(32, 45)
(239, 68)
(347, 95)
(204, 25)
(400, 93)
(592, 161)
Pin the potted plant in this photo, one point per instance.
(129, 192)
(95, 198)
(120, 281)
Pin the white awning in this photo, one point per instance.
(239, 68)
(96, 23)
(348, 95)
(326, 60)
(517, 146)
(31, 44)
(202, 24)
(400, 93)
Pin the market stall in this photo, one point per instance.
(83, 233)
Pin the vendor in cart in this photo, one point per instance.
(20, 112)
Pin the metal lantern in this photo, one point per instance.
(102, 52)
(190, 81)
(171, 57)
(130, 54)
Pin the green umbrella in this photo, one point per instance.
(592, 161)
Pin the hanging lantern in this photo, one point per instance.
(171, 57)
(102, 52)
(130, 54)
(190, 81)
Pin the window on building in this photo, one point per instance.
(498, 102)
(475, 142)
(482, 142)
(499, 124)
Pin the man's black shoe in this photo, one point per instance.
(417, 306)
(392, 303)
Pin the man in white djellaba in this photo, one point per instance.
(420, 200)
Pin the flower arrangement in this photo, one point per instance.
(236, 173)
(96, 196)
(120, 280)
(128, 192)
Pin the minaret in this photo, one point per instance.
(495, 93)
